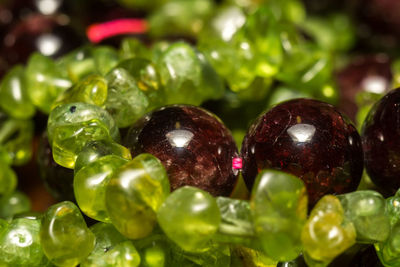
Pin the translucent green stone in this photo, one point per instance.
(16, 139)
(44, 81)
(121, 255)
(20, 244)
(94, 150)
(187, 76)
(132, 47)
(177, 17)
(154, 256)
(366, 210)
(14, 98)
(326, 233)
(244, 256)
(147, 79)
(90, 186)
(190, 217)
(13, 204)
(279, 210)
(105, 58)
(64, 236)
(71, 126)
(134, 195)
(236, 222)
(389, 251)
(125, 102)
(392, 208)
(92, 90)
(78, 64)
(8, 179)
(107, 237)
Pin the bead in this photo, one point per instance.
(91, 90)
(71, 126)
(126, 102)
(94, 150)
(189, 217)
(14, 98)
(121, 255)
(133, 48)
(64, 236)
(381, 142)
(20, 244)
(366, 210)
(78, 64)
(105, 58)
(187, 76)
(106, 238)
(194, 146)
(326, 234)
(16, 138)
(279, 210)
(8, 179)
(147, 79)
(13, 204)
(135, 193)
(90, 186)
(389, 251)
(57, 179)
(309, 139)
(45, 81)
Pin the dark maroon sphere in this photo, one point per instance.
(309, 139)
(192, 143)
(381, 142)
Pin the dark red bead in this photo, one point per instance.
(381, 142)
(193, 144)
(309, 139)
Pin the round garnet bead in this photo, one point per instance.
(193, 144)
(381, 142)
(309, 139)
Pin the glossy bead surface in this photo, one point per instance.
(194, 146)
(90, 186)
(189, 217)
(13, 204)
(279, 209)
(64, 236)
(309, 139)
(135, 193)
(381, 142)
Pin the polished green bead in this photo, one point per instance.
(392, 208)
(154, 256)
(121, 255)
(92, 90)
(244, 256)
(94, 150)
(190, 217)
(44, 81)
(16, 139)
(326, 233)
(78, 64)
(65, 238)
(107, 237)
(147, 79)
(125, 102)
(132, 48)
(187, 76)
(389, 250)
(14, 98)
(20, 244)
(134, 195)
(71, 126)
(279, 210)
(105, 58)
(90, 186)
(8, 180)
(13, 204)
(366, 210)
(236, 220)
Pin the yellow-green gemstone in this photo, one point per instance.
(90, 186)
(134, 195)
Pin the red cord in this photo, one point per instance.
(98, 32)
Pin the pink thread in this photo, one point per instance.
(237, 163)
(98, 32)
